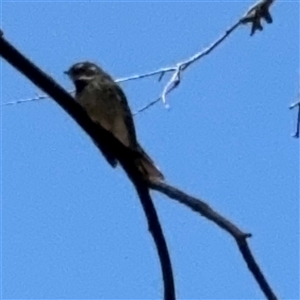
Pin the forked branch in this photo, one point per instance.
(48, 85)
(65, 101)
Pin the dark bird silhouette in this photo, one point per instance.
(106, 105)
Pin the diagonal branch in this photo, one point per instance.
(65, 101)
(240, 237)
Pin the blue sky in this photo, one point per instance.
(73, 228)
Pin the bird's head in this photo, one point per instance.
(83, 71)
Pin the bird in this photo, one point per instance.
(106, 105)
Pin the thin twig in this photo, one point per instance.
(175, 80)
(180, 67)
(148, 74)
(37, 98)
(293, 106)
(297, 131)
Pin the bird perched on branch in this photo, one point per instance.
(106, 105)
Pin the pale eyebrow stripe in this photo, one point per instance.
(79, 66)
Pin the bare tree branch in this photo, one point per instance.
(65, 101)
(294, 106)
(182, 66)
(37, 98)
(240, 237)
(47, 84)
(255, 13)
(159, 72)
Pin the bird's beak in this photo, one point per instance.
(67, 72)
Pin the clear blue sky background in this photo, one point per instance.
(73, 228)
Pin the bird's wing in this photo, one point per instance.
(107, 105)
(127, 120)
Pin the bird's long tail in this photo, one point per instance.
(147, 167)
